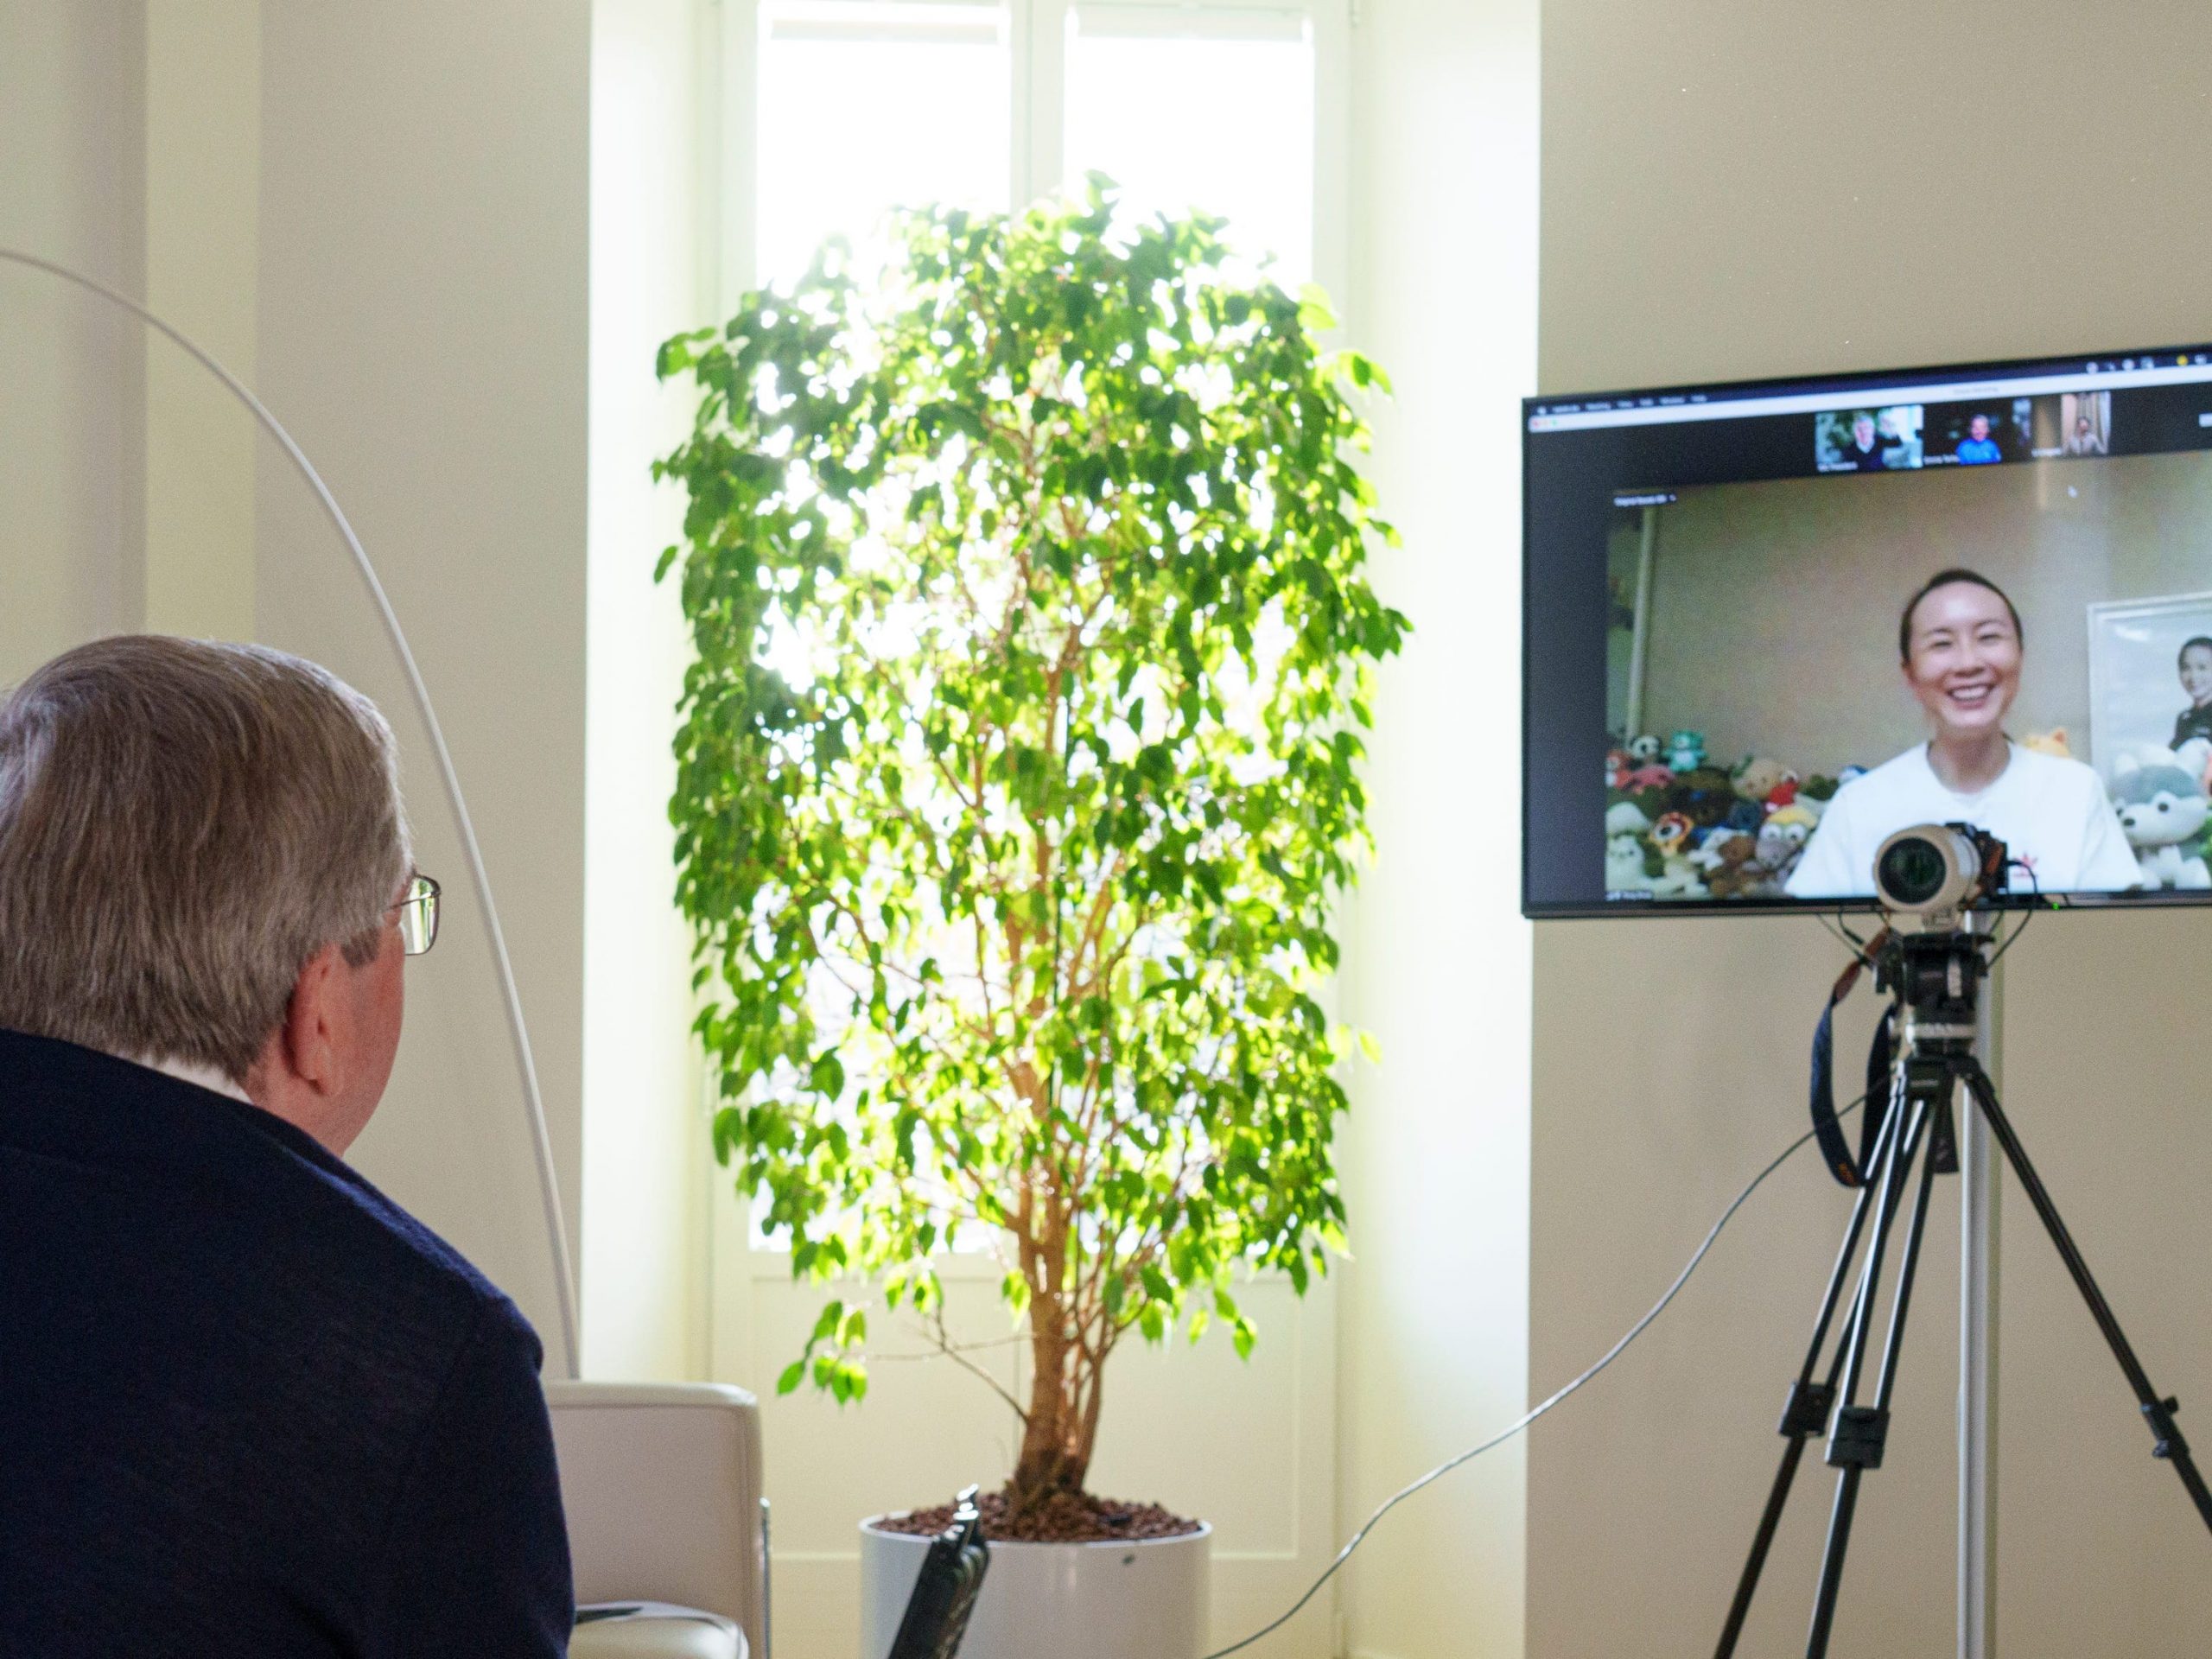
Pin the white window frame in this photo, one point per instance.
(1038, 31)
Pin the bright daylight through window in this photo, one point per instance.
(1209, 108)
(1201, 110)
(923, 102)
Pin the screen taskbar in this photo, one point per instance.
(2128, 371)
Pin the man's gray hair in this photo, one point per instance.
(182, 826)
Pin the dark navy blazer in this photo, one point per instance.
(248, 1405)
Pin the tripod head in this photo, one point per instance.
(1931, 956)
(1936, 979)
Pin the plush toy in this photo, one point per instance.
(1796, 815)
(1758, 777)
(1626, 819)
(1818, 788)
(1782, 843)
(1651, 777)
(1849, 774)
(1686, 751)
(1702, 795)
(1745, 816)
(1676, 876)
(1737, 875)
(2162, 806)
(1616, 768)
(1624, 871)
(1676, 880)
(1713, 846)
(2052, 742)
(1644, 750)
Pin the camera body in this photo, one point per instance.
(1927, 877)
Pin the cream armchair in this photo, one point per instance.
(662, 1486)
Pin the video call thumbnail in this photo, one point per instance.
(1867, 440)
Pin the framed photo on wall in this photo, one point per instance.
(2143, 690)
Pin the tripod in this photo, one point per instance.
(1937, 978)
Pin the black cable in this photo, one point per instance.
(1840, 932)
(1500, 1439)
(2026, 916)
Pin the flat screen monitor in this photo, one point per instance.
(1767, 624)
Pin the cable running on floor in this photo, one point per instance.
(1522, 1423)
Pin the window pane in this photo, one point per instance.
(865, 107)
(1198, 108)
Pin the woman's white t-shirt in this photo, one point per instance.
(2052, 813)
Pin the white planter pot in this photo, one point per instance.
(1142, 1600)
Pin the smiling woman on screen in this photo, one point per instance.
(1959, 643)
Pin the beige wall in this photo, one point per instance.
(1434, 1154)
(1704, 217)
(1774, 605)
(71, 400)
(422, 329)
(203, 215)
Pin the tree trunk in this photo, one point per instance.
(1056, 1445)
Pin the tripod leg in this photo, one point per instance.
(1855, 1440)
(1805, 1414)
(2160, 1411)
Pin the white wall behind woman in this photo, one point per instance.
(1741, 189)
(1433, 1329)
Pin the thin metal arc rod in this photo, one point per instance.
(541, 1142)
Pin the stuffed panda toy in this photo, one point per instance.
(2163, 809)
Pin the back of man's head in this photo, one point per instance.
(182, 826)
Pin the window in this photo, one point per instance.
(1200, 109)
(836, 110)
(863, 107)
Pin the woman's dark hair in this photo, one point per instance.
(2188, 645)
(1945, 579)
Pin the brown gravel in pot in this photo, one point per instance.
(1064, 1519)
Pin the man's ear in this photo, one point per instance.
(316, 1024)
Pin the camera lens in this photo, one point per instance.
(1913, 872)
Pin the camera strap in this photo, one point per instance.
(1849, 1167)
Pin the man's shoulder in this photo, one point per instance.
(364, 1218)
(248, 1365)
(393, 1269)
(194, 1157)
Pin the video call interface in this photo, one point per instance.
(1770, 625)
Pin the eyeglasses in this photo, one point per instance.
(418, 915)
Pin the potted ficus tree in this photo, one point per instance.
(1018, 776)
